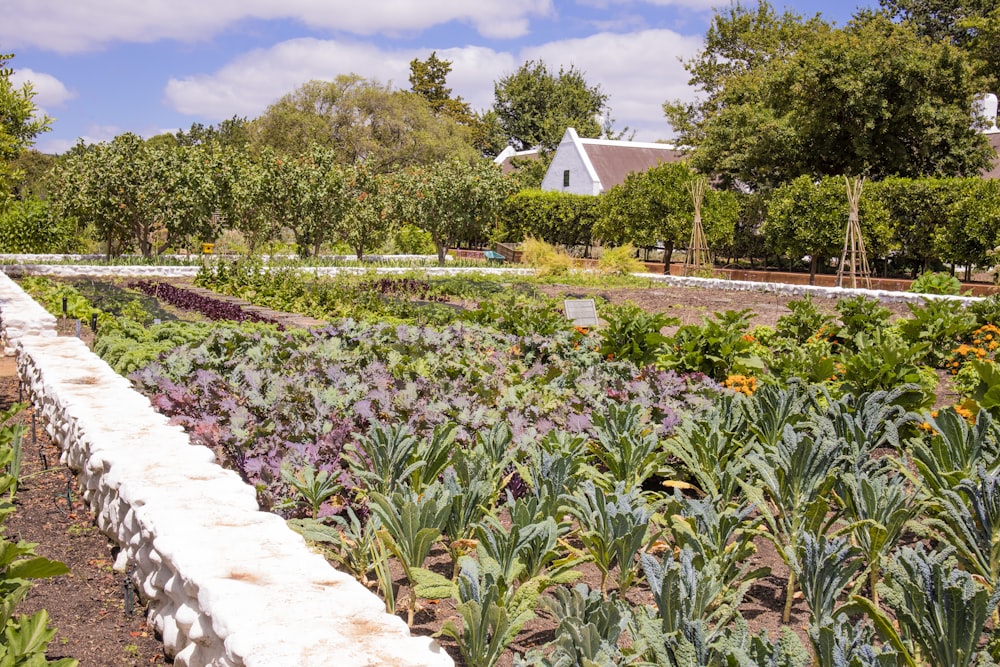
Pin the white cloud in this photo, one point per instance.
(94, 134)
(83, 25)
(247, 85)
(49, 91)
(639, 71)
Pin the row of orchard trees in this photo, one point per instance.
(919, 222)
(137, 195)
(149, 197)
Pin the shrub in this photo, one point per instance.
(545, 258)
(620, 261)
(936, 283)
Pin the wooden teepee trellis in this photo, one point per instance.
(854, 254)
(698, 257)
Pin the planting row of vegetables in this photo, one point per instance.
(660, 462)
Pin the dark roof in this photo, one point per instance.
(613, 162)
(994, 172)
(507, 165)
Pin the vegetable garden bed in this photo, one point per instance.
(497, 467)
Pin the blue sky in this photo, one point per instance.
(103, 67)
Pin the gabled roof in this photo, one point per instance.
(613, 160)
(508, 154)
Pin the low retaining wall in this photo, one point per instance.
(227, 585)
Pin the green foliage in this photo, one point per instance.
(987, 311)
(614, 527)
(803, 322)
(632, 334)
(19, 124)
(627, 451)
(824, 567)
(886, 361)
(314, 488)
(936, 283)
(718, 347)
(545, 258)
(520, 314)
(952, 451)
(489, 620)
(620, 261)
(785, 97)
(535, 106)
(941, 611)
(940, 324)
(384, 458)
(859, 314)
(555, 217)
(26, 226)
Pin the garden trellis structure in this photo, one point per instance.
(854, 253)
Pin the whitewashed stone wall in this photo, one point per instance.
(226, 584)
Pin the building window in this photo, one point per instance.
(565, 178)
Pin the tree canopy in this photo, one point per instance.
(361, 119)
(786, 97)
(535, 106)
(19, 125)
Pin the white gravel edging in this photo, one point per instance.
(227, 585)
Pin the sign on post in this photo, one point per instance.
(582, 312)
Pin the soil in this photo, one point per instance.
(90, 607)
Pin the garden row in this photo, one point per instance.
(498, 466)
(185, 527)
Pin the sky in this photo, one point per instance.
(103, 67)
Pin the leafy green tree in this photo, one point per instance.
(371, 207)
(18, 124)
(803, 98)
(453, 200)
(361, 119)
(246, 184)
(556, 217)
(535, 106)
(26, 226)
(805, 218)
(306, 195)
(655, 206)
(428, 78)
(917, 208)
(138, 195)
(971, 226)
(940, 19)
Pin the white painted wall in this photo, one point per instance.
(570, 155)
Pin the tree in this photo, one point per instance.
(138, 195)
(535, 106)
(941, 19)
(361, 119)
(428, 79)
(655, 207)
(805, 218)
(971, 228)
(453, 200)
(871, 99)
(371, 208)
(18, 125)
(917, 209)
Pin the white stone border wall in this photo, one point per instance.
(227, 585)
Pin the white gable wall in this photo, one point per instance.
(571, 156)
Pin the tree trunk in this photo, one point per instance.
(812, 270)
(439, 245)
(668, 251)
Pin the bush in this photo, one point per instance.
(620, 261)
(936, 283)
(546, 259)
(28, 227)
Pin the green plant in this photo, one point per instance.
(718, 347)
(884, 362)
(627, 450)
(587, 633)
(951, 450)
(933, 282)
(383, 458)
(940, 611)
(824, 567)
(805, 321)
(709, 445)
(314, 487)
(613, 528)
(859, 314)
(545, 258)
(632, 334)
(620, 261)
(878, 508)
(940, 324)
(490, 620)
(411, 525)
(792, 478)
(987, 311)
